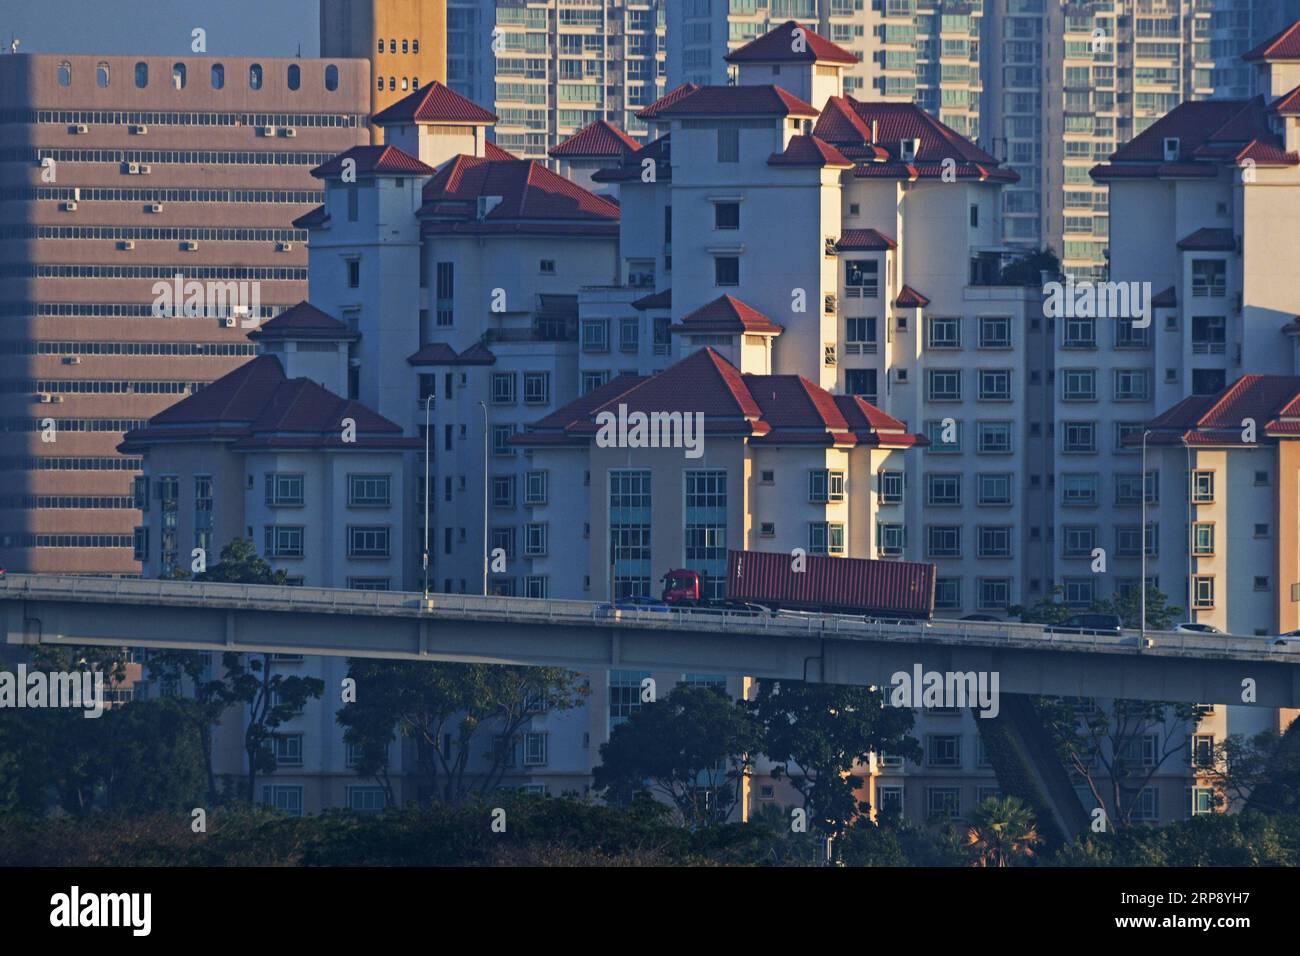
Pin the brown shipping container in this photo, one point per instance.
(835, 585)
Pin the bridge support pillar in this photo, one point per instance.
(18, 628)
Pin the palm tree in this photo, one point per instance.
(1000, 832)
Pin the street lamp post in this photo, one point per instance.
(428, 401)
(1142, 584)
(486, 482)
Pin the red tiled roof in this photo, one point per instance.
(598, 138)
(256, 406)
(1208, 240)
(303, 321)
(312, 220)
(375, 160)
(1273, 401)
(633, 164)
(526, 188)
(909, 298)
(791, 43)
(895, 122)
(657, 300)
(1165, 300)
(440, 353)
(809, 151)
(492, 151)
(772, 409)
(1283, 45)
(737, 101)
(726, 314)
(1210, 133)
(668, 99)
(434, 103)
(864, 240)
(1288, 104)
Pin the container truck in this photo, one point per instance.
(888, 590)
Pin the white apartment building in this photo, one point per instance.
(551, 67)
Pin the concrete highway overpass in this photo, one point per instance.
(583, 635)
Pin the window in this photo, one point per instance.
(995, 384)
(1079, 592)
(891, 539)
(445, 279)
(354, 270)
(943, 541)
(65, 73)
(503, 388)
(285, 798)
(366, 799)
(367, 541)
(1202, 750)
(994, 594)
(1079, 333)
(825, 537)
(947, 593)
(503, 491)
(595, 335)
(141, 75)
(860, 336)
(1202, 538)
(1200, 801)
(993, 542)
(1202, 487)
(535, 749)
(943, 332)
(283, 490)
(294, 76)
(1128, 488)
(624, 694)
(369, 491)
(537, 388)
(283, 541)
(1078, 489)
(1079, 437)
(331, 77)
(1122, 431)
(891, 488)
(726, 215)
(1209, 278)
(861, 382)
(1078, 541)
(943, 489)
(1132, 385)
(287, 749)
(535, 487)
(101, 75)
(944, 436)
(861, 278)
(728, 143)
(825, 486)
(1079, 385)
(1146, 808)
(993, 438)
(368, 584)
(1202, 591)
(629, 335)
(537, 586)
(255, 76)
(943, 384)
(535, 539)
(889, 801)
(995, 332)
(943, 750)
(994, 489)
(726, 270)
(501, 435)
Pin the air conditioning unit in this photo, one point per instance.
(145, 169)
(131, 169)
(283, 246)
(266, 131)
(43, 397)
(56, 399)
(228, 322)
(289, 132)
(1171, 147)
(641, 278)
(69, 206)
(829, 304)
(126, 245)
(189, 246)
(72, 360)
(79, 128)
(139, 130)
(154, 207)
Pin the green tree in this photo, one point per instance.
(1117, 748)
(1161, 615)
(693, 747)
(462, 702)
(1259, 773)
(817, 734)
(149, 756)
(1001, 832)
(1046, 610)
(1027, 270)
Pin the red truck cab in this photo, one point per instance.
(681, 586)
